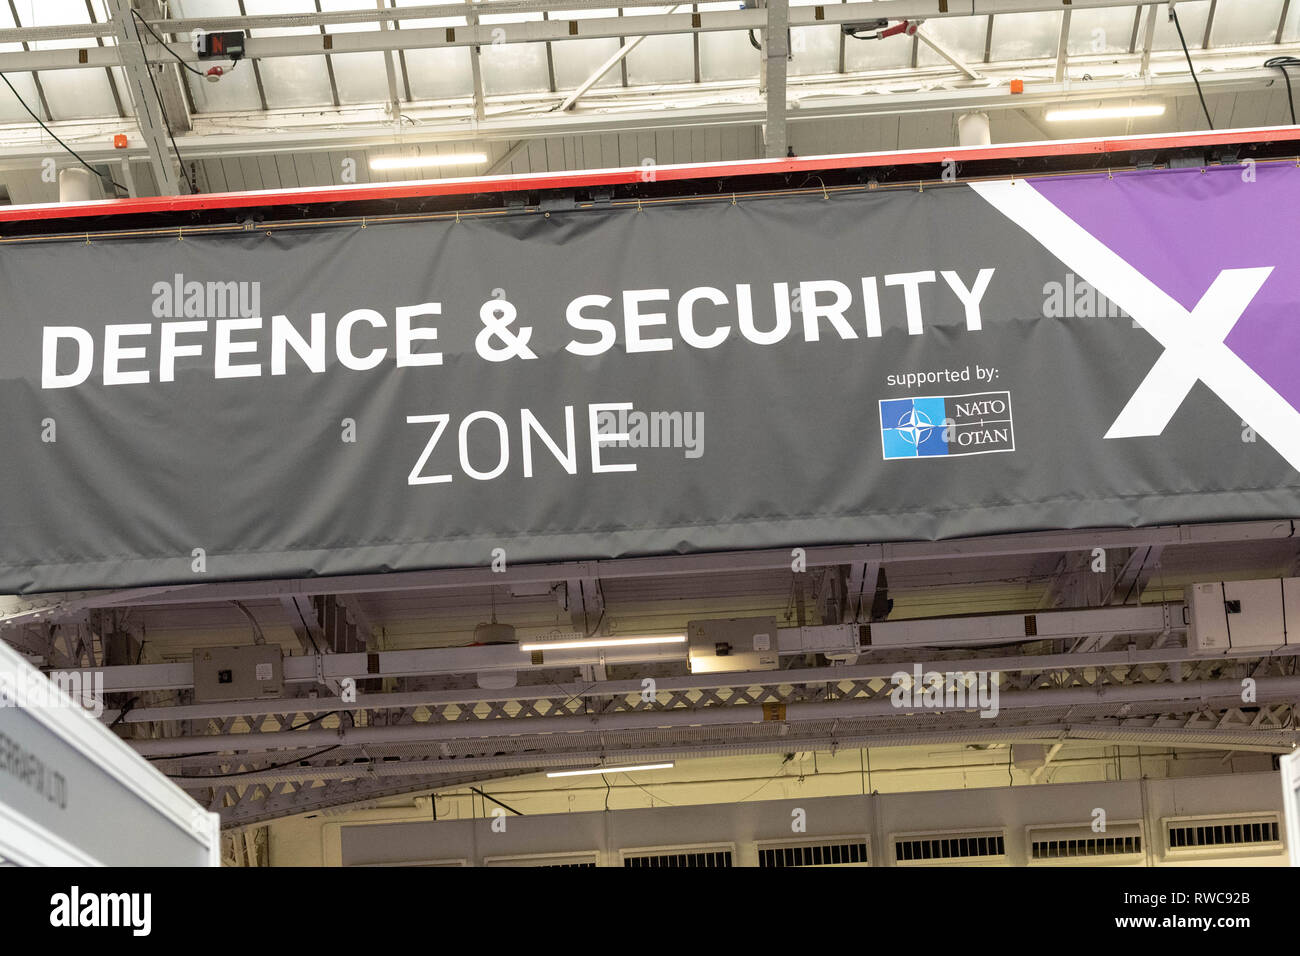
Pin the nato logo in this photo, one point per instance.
(945, 426)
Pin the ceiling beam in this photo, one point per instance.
(476, 64)
(1132, 579)
(170, 79)
(108, 71)
(257, 70)
(776, 55)
(594, 756)
(144, 99)
(22, 608)
(390, 69)
(36, 77)
(948, 54)
(301, 670)
(852, 12)
(527, 31)
(714, 105)
(517, 147)
(1172, 695)
(300, 610)
(1063, 49)
(597, 74)
(1148, 38)
(180, 676)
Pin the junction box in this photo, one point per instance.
(246, 672)
(733, 644)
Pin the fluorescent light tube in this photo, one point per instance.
(1107, 112)
(603, 642)
(579, 773)
(381, 163)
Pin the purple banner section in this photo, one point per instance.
(1181, 228)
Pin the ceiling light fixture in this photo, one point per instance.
(1107, 112)
(603, 642)
(594, 770)
(381, 163)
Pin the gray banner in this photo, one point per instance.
(792, 371)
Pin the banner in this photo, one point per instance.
(801, 370)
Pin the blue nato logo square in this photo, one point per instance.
(913, 427)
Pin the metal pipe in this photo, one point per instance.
(539, 762)
(1267, 689)
(804, 676)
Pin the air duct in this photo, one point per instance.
(973, 129)
(495, 633)
(74, 185)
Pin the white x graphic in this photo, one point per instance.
(1193, 342)
(1175, 372)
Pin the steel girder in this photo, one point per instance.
(304, 754)
(1032, 688)
(339, 779)
(1182, 703)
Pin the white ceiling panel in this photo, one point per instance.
(965, 37)
(1025, 36)
(436, 74)
(198, 9)
(660, 59)
(11, 110)
(78, 94)
(1107, 30)
(728, 56)
(513, 67)
(290, 81)
(814, 50)
(71, 94)
(362, 77)
(1192, 15)
(889, 54)
(575, 60)
(359, 77)
(1242, 22)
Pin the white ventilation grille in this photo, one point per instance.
(460, 862)
(672, 857)
(824, 851)
(1120, 843)
(1211, 836)
(578, 860)
(950, 847)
